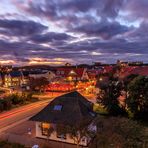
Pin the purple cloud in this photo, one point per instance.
(81, 30)
(19, 27)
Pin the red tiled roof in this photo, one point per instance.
(126, 71)
(135, 70)
(140, 70)
(108, 69)
(93, 73)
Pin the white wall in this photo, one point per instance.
(53, 136)
(48, 76)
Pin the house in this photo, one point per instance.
(13, 79)
(67, 110)
(107, 69)
(25, 80)
(72, 74)
(49, 75)
(136, 70)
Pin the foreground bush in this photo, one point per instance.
(116, 132)
(5, 104)
(6, 144)
(15, 100)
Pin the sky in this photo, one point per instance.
(55, 32)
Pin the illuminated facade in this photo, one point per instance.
(72, 74)
(67, 110)
(13, 79)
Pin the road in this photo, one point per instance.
(16, 116)
(19, 115)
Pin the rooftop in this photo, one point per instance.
(67, 109)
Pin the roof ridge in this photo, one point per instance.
(78, 102)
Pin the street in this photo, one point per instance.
(15, 116)
(21, 114)
(14, 124)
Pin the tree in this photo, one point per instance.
(128, 79)
(77, 132)
(116, 132)
(109, 94)
(38, 83)
(137, 100)
(15, 99)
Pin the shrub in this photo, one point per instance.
(7, 104)
(16, 99)
(1, 106)
(119, 132)
(6, 144)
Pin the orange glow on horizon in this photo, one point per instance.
(55, 61)
(7, 62)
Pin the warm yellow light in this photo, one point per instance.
(70, 78)
(100, 79)
(44, 61)
(45, 125)
(7, 62)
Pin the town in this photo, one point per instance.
(73, 73)
(38, 104)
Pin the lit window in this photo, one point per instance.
(45, 128)
(57, 107)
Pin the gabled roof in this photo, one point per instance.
(139, 70)
(107, 69)
(75, 109)
(78, 71)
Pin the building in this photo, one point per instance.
(49, 75)
(13, 79)
(67, 110)
(26, 78)
(72, 74)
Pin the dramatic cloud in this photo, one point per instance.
(50, 37)
(137, 9)
(76, 31)
(20, 28)
(103, 29)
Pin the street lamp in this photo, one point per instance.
(100, 79)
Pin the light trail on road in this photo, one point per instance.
(14, 116)
(12, 113)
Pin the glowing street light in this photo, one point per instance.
(100, 79)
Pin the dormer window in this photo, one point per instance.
(57, 108)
